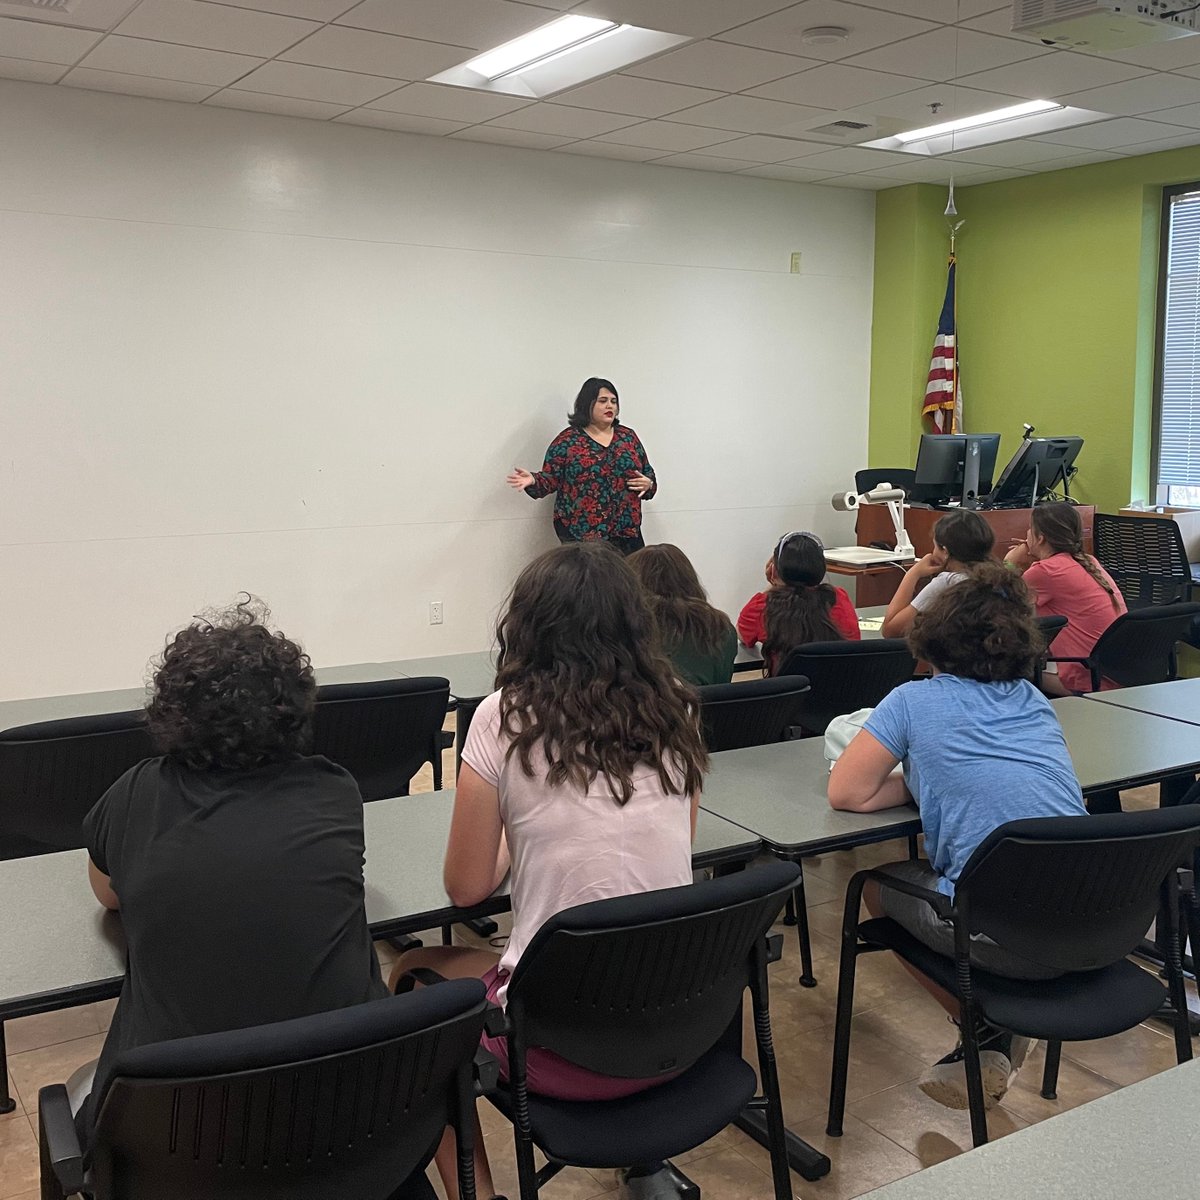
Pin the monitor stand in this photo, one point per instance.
(970, 490)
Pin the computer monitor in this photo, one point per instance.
(1039, 466)
(955, 466)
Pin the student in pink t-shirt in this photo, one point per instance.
(1066, 582)
(582, 773)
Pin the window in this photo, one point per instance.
(1177, 412)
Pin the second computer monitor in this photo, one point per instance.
(955, 466)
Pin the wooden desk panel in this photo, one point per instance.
(874, 524)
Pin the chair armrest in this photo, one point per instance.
(941, 903)
(1063, 658)
(425, 976)
(486, 1072)
(58, 1139)
(495, 1021)
(774, 947)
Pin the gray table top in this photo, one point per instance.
(47, 902)
(1139, 1141)
(1177, 701)
(778, 792)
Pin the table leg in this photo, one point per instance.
(7, 1103)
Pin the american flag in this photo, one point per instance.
(943, 389)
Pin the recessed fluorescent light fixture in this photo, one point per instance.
(983, 129)
(564, 53)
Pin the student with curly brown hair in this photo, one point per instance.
(235, 859)
(583, 771)
(980, 746)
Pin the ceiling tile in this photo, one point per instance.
(1186, 114)
(558, 118)
(666, 136)
(868, 28)
(312, 10)
(1018, 153)
(997, 174)
(944, 53)
(953, 100)
(783, 171)
(1191, 138)
(1050, 76)
(374, 53)
(835, 86)
(636, 97)
(315, 83)
(1151, 93)
(405, 122)
(31, 71)
(868, 183)
(720, 65)
(1084, 158)
(189, 64)
(611, 150)
(1106, 135)
(761, 149)
(699, 162)
(448, 103)
(696, 18)
(44, 43)
(214, 26)
(999, 21)
(96, 15)
(929, 170)
(1163, 56)
(947, 11)
(136, 85)
(287, 106)
(748, 114)
(479, 24)
(511, 137)
(850, 158)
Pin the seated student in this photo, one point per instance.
(980, 746)
(235, 859)
(584, 771)
(1066, 582)
(699, 639)
(961, 539)
(798, 607)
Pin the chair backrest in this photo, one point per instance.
(1051, 627)
(1075, 893)
(846, 676)
(53, 772)
(644, 985)
(1145, 557)
(345, 1103)
(1139, 646)
(382, 732)
(753, 713)
(872, 477)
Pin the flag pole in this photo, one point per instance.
(954, 228)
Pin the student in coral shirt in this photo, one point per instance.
(799, 606)
(1069, 583)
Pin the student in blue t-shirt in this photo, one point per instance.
(980, 746)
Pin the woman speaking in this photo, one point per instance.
(598, 471)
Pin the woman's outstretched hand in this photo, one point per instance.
(519, 479)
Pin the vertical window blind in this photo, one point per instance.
(1179, 400)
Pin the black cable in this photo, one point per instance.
(1179, 12)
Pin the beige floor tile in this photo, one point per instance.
(919, 1027)
(104, 1010)
(18, 1159)
(1135, 1054)
(875, 1065)
(730, 1175)
(573, 1183)
(930, 1131)
(15, 1093)
(47, 1029)
(1076, 1085)
(52, 1064)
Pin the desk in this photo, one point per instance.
(1088, 1151)
(1178, 700)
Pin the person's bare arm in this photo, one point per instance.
(862, 779)
(102, 886)
(476, 853)
(900, 615)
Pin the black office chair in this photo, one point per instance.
(656, 986)
(754, 713)
(846, 676)
(384, 732)
(52, 773)
(1146, 558)
(347, 1103)
(872, 477)
(1075, 894)
(1050, 628)
(1139, 646)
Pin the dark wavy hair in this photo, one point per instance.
(965, 536)
(230, 694)
(798, 610)
(1060, 525)
(983, 628)
(582, 675)
(677, 599)
(580, 416)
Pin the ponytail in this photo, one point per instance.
(797, 615)
(1092, 567)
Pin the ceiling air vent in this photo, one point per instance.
(841, 128)
(58, 6)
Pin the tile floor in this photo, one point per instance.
(891, 1128)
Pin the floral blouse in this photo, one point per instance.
(591, 484)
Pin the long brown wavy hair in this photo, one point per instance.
(798, 609)
(678, 601)
(1060, 525)
(581, 674)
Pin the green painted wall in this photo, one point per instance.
(1056, 292)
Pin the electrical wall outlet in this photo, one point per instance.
(435, 612)
(794, 264)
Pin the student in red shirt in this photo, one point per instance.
(799, 606)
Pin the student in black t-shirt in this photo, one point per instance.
(235, 859)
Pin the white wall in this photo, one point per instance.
(247, 351)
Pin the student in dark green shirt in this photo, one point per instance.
(699, 639)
